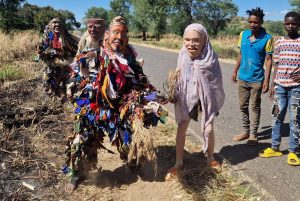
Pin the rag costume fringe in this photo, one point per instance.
(115, 100)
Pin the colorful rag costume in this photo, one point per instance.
(56, 51)
(200, 81)
(109, 101)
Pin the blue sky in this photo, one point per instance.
(274, 9)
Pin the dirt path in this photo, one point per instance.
(32, 142)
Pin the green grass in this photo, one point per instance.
(10, 72)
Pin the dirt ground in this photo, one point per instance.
(33, 130)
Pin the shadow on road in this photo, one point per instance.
(239, 153)
(267, 131)
(242, 152)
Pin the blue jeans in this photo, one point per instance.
(284, 98)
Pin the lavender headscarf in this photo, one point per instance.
(201, 79)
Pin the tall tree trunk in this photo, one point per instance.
(144, 36)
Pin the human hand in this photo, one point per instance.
(265, 87)
(295, 77)
(234, 75)
(272, 92)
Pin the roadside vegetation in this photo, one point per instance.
(225, 46)
(10, 72)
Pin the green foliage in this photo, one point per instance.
(275, 28)
(140, 17)
(10, 72)
(177, 23)
(184, 7)
(235, 27)
(215, 14)
(26, 15)
(44, 14)
(96, 12)
(119, 8)
(296, 4)
(182, 13)
(15, 16)
(69, 19)
(8, 18)
(159, 16)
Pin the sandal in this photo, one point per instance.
(215, 166)
(172, 173)
(241, 137)
(293, 159)
(269, 152)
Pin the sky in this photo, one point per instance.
(273, 9)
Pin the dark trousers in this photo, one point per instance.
(250, 92)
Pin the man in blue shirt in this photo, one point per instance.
(255, 49)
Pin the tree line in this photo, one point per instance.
(157, 17)
(19, 15)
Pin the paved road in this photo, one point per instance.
(273, 175)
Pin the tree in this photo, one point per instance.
(96, 12)
(183, 8)
(69, 19)
(177, 23)
(274, 27)
(26, 14)
(8, 17)
(119, 8)
(236, 25)
(215, 14)
(45, 14)
(296, 4)
(140, 17)
(182, 14)
(158, 14)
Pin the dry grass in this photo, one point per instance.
(15, 51)
(225, 47)
(16, 46)
(168, 41)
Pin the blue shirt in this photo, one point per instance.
(253, 55)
